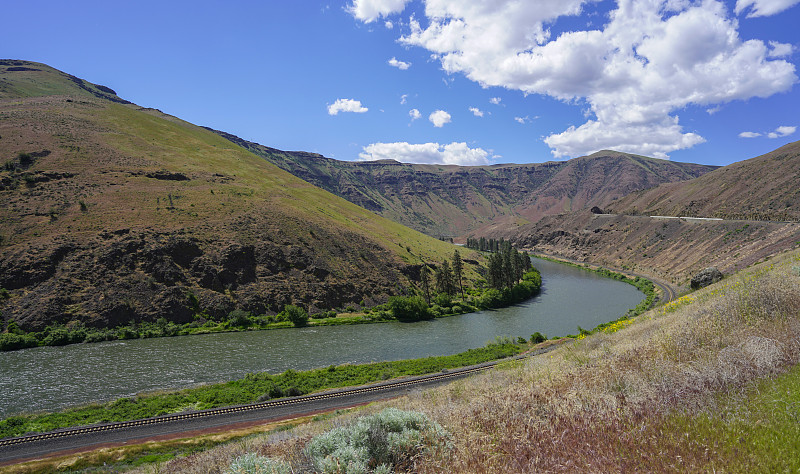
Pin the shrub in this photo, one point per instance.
(12, 342)
(412, 308)
(538, 337)
(443, 299)
(491, 298)
(295, 314)
(239, 318)
(386, 441)
(252, 463)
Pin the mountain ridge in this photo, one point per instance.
(455, 201)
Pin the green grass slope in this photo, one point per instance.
(114, 213)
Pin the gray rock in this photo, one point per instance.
(706, 277)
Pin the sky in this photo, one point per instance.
(465, 82)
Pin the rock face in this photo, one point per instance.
(133, 275)
(706, 277)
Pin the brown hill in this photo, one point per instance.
(732, 218)
(448, 200)
(113, 213)
(762, 188)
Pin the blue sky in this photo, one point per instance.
(455, 81)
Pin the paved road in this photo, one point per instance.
(15, 450)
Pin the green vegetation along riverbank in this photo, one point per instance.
(252, 388)
(442, 291)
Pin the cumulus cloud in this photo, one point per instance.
(780, 50)
(370, 10)
(346, 105)
(456, 153)
(763, 7)
(783, 131)
(403, 99)
(523, 120)
(389, 25)
(495, 100)
(414, 114)
(476, 111)
(651, 59)
(438, 118)
(749, 135)
(402, 65)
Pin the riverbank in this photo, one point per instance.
(706, 383)
(253, 388)
(439, 306)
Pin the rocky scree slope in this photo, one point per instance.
(113, 213)
(452, 201)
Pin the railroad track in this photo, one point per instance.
(253, 407)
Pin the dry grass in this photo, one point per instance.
(604, 403)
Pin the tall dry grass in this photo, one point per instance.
(600, 404)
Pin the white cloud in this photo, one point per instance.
(495, 100)
(749, 135)
(476, 111)
(402, 65)
(763, 7)
(780, 50)
(453, 154)
(389, 25)
(523, 120)
(651, 59)
(346, 105)
(414, 114)
(644, 139)
(370, 10)
(439, 118)
(403, 99)
(783, 131)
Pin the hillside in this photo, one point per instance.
(113, 213)
(751, 198)
(761, 188)
(450, 201)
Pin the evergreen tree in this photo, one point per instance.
(425, 280)
(444, 278)
(458, 267)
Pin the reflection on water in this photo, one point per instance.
(48, 378)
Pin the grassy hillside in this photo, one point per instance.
(114, 213)
(755, 199)
(761, 188)
(705, 383)
(452, 201)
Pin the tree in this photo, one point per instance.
(458, 268)
(296, 315)
(425, 281)
(444, 278)
(412, 308)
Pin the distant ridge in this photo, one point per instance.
(761, 188)
(452, 201)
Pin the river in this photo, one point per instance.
(49, 378)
